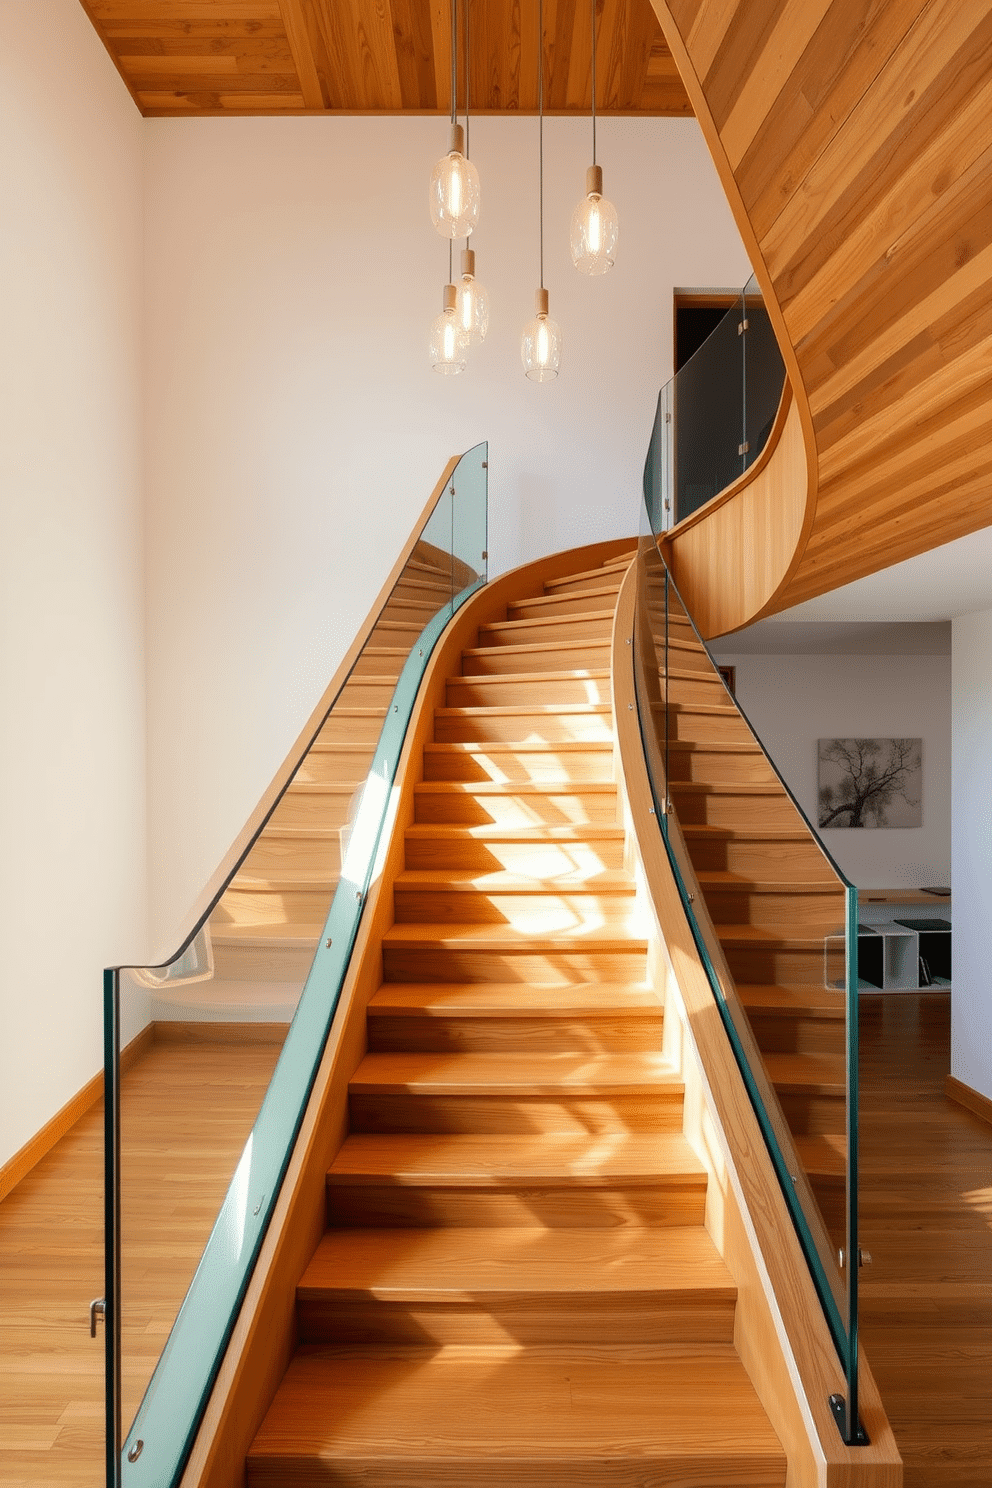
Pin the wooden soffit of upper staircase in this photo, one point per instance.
(854, 141)
(192, 57)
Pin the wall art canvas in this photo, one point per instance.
(870, 783)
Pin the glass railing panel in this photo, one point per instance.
(764, 373)
(708, 417)
(775, 925)
(227, 1036)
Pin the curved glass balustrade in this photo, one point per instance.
(775, 924)
(715, 416)
(274, 945)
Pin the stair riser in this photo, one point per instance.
(814, 1115)
(513, 691)
(489, 857)
(314, 809)
(502, 660)
(513, 1035)
(702, 688)
(596, 597)
(545, 1205)
(760, 965)
(263, 964)
(344, 765)
(481, 727)
(697, 728)
(293, 907)
(530, 633)
(580, 585)
(369, 664)
(515, 1115)
(539, 767)
(723, 810)
(340, 729)
(547, 968)
(820, 912)
(791, 861)
(632, 1318)
(713, 769)
(461, 808)
(780, 1035)
(295, 854)
(614, 1471)
(531, 912)
(368, 692)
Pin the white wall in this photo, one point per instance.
(295, 428)
(971, 1007)
(72, 869)
(792, 701)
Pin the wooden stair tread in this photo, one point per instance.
(548, 601)
(525, 746)
(528, 648)
(616, 566)
(544, 1075)
(807, 936)
(465, 880)
(575, 617)
(284, 881)
(507, 679)
(705, 832)
(726, 788)
(493, 832)
(714, 746)
(461, 1264)
(300, 937)
(718, 878)
(711, 710)
(584, 935)
(489, 1415)
(491, 999)
(497, 1160)
(514, 787)
(324, 787)
(525, 710)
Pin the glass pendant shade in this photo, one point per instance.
(449, 343)
(471, 301)
(595, 229)
(540, 348)
(454, 192)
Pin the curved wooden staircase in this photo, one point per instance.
(516, 1285)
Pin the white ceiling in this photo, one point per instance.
(902, 610)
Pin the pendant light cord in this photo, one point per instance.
(454, 58)
(468, 72)
(540, 125)
(593, 81)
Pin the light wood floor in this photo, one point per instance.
(926, 1218)
(186, 1111)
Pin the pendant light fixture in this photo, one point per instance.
(472, 304)
(540, 347)
(449, 342)
(454, 189)
(595, 228)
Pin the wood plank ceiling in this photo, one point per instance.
(190, 57)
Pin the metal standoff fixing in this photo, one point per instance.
(98, 1309)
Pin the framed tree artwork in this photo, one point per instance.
(870, 783)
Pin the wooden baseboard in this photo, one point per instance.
(63, 1121)
(977, 1104)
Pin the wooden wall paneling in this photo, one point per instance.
(264, 1334)
(781, 1334)
(790, 35)
(840, 63)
